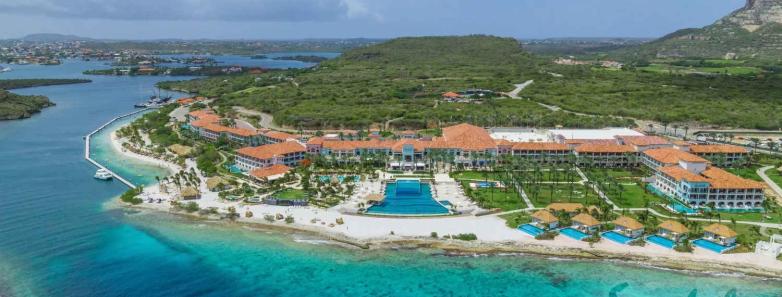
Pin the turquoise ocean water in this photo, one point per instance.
(57, 239)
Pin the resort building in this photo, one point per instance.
(270, 173)
(545, 220)
(207, 125)
(628, 226)
(720, 234)
(663, 157)
(543, 152)
(722, 154)
(642, 143)
(700, 187)
(289, 153)
(585, 223)
(692, 180)
(672, 230)
(271, 137)
(608, 155)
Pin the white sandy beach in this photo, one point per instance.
(490, 230)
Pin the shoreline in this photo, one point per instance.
(494, 237)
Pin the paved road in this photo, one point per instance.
(774, 187)
(519, 87)
(267, 120)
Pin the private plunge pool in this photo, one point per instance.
(408, 198)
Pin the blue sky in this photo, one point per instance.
(294, 19)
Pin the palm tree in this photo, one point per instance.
(686, 130)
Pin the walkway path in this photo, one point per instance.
(519, 87)
(774, 187)
(87, 140)
(267, 120)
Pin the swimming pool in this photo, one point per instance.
(531, 230)
(714, 247)
(573, 233)
(676, 205)
(618, 238)
(484, 184)
(408, 198)
(661, 241)
(340, 178)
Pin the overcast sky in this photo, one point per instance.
(294, 19)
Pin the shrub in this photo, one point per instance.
(548, 235)
(269, 218)
(684, 247)
(465, 236)
(130, 196)
(289, 219)
(638, 243)
(191, 207)
(433, 235)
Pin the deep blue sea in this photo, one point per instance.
(58, 237)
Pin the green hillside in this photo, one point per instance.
(13, 106)
(397, 81)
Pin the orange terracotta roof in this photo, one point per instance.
(418, 146)
(682, 143)
(541, 146)
(678, 173)
(276, 169)
(720, 230)
(644, 140)
(672, 156)
(315, 141)
(585, 219)
(205, 115)
(628, 223)
(503, 142)
(721, 179)
(280, 135)
(674, 226)
(272, 150)
(718, 148)
(217, 128)
(451, 94)
(466, 137)
(604, 148)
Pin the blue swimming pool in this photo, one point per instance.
(408, 198)
(661, 241)
(484, 184)
(617, 237)
(676, 205)
(573, 233)
(531, 230)
(714, 247)
(340, 178)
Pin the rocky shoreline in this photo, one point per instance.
(453, 247)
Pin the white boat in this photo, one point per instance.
(103, 174)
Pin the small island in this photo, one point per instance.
(14, 106)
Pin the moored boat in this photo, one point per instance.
(103, 174)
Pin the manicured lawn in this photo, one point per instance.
(618, 173)
(633, 196)
(475, 175)
(775, 176)
(550, 193)
(752, 217)
(549, 175)
(513, 220)
(291, 194)
(749, 172)
(489, 198)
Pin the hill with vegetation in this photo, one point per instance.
(752, 32)
(398, 82)
(14, 106)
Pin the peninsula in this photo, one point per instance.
(14, 106)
